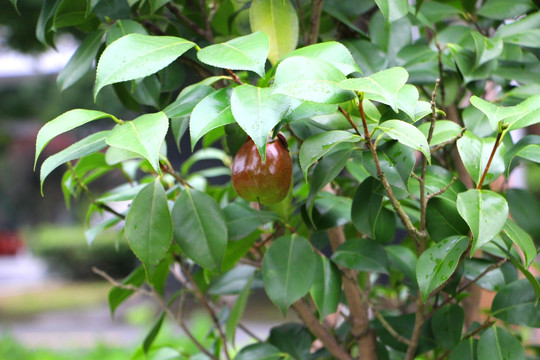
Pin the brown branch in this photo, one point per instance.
(192, 25)
(313, 324)
(358, 319)
(314, 21)
(491, 156)
(235, 77)
(441, 70)
(162, 304)
(441, 191)
(302, 24)
(449, 142)
(167, 169)
(208, 32)
(350, 120)
(418, 322)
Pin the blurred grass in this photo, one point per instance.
(54, 298)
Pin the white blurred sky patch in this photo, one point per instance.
(13, 63)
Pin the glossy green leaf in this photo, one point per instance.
(44, 22)
(233, 281)
(262, 351)
(366, 206)
(437, 264)
(503, 9)
(521, 32)
(152, 334)
(242, 219)
(210, 113)
(242, 53)
(443, 219)
(188, 98)
(258, 111)
(149, 226)
(143, 135)
(443, 131)
(331, 51)
(498, 344)
(89, 145)
(369, 57)
(447, 324)
(529, 115)
(403, 259)
(493, 280)
(320, 144)
(527, 148)
(362, 254)
(122, 28)
(487, 48)
(326, 288)
(522, 241)
(465, 350)
(382, 86)
(81, 61)
(136, 56)
(475, 153)
(516, 304)
(237, 311)
(393, 9)
(293, 339)
(118, 295)
(288, 269)
(496, 113)
(200, 228)
(278, 19)
(93, 231)
(311, 79)
(330, 211)
(65, 122)
(485, 212)
(406, 134)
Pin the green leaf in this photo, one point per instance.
(288, 269)
(136, 56)
(496, 113)
(318, 145)
(258, 111)
(529, 115)
(527, 148)
(152, 334)
(242, 53)
(393, 9)
(233, 281)
(444, 130)
(261, 351)
(188, 98)
(312, 80)
(521, 32)
(443, 219)
(493, 280)
(278, 19)
(65, 122)
(81, 61)
(118, 295)
(237, 311)
(498, 344)
(516, 304)
(149, 226)
(382, 86)
(522, 240)
(326, 288)
(487, 49)
(465, 350)
(406, 134)
(362, 254)
(44, 23)
(503, 9)
(210, 113)
(143, 135)
(437, 264)
(403, 259)
(331, 51)
(525, 210)
(123, 28)
(89, 145)
(94, 230)
(475, 153)
(446, 324)
(366, 206)
(242, 219)
(293, 339)
(330, 211)
(485, 212)
(200, 228)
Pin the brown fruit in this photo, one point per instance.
(265, 182)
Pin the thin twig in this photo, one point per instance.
(235, 77)
(192, 25)
(208, 31)
(167, 169)
(314, 21)
(350, 120)
(441, 191)
(161, 303)
(249, 332)
(449, 142)
(441, 70)
(491, 156)
(302, 24)
(206, 304)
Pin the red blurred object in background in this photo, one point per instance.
(10, 242)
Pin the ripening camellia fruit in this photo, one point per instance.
(265, 182)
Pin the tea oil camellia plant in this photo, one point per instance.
(398, 219)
